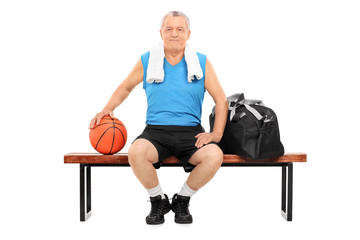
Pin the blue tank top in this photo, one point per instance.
(174, 101)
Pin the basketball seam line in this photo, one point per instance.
(112, 144)
(121, 134)
(101, 137)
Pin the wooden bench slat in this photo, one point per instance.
(122, 158)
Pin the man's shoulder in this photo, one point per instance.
(145, 55)
(145, 58)
(201, 56)
(202, 59)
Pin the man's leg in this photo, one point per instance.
(208, 160)
(142, 155)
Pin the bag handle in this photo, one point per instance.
(247, 103)
(254, 112)
(235, 98)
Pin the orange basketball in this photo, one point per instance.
(109, 136)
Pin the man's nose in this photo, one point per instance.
(174, 33)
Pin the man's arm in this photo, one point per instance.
(212, 85)
(121, 93)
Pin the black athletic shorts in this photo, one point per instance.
(178, 141)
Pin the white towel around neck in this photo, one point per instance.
(155, 71)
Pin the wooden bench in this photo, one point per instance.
(88, 160)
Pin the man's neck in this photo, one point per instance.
(174, 56)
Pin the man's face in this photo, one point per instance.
(175, 33)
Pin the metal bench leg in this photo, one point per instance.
(85, 192)
(287, 191)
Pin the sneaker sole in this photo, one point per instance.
(183, 222)
(155, 223)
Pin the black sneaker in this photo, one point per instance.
(180, 206)
(159, 207)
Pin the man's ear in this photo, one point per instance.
(189, 35)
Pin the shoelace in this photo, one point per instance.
(157, 208)
(182, 207)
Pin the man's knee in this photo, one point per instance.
(216, 156)
(211, 155)
(142, 150)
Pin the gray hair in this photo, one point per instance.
(175, 14)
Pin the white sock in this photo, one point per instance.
(186, 191)
(156, 191)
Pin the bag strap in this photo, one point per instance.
(235, 98)
(247, 103)
(254, 112)
(252, 102)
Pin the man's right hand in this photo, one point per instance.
(99, 116)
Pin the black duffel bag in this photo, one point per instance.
(251, 129)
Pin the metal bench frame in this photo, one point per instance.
(286, 184)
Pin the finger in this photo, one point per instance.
(199, 135)
(200, 145)
(98, 119)
(101, 115)
(199, 139)
(111, 114)
(92, 123)
(200, 142)
(204, 141)
(197, 143)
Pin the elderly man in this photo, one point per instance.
(173, 121)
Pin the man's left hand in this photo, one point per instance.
(205, 138)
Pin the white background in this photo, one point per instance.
(60, 61)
